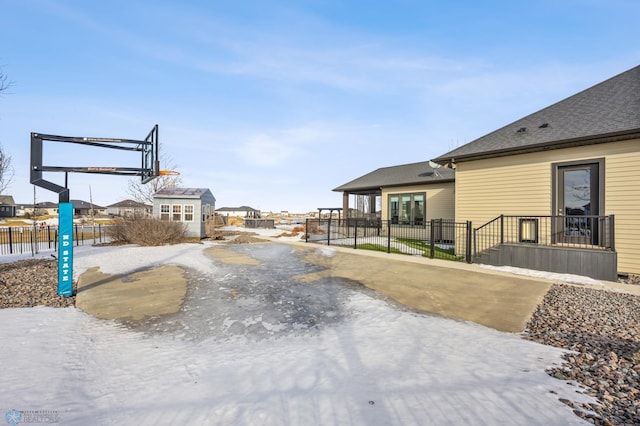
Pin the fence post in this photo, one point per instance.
(329, 230)
(501, 229)
(475, 242)
(355, 234)
(468, 241)
(306, 230)
(10, 242)
(35, 246)
(612, 232)
(431, 238)
(388, 236)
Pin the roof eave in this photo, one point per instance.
(362, 189)
(567, 143)
(393, 185)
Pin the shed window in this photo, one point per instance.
(164, 212)
(176, 212)
(188, 212)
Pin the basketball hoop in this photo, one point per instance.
(168, 173)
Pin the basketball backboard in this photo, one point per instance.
(150, 161)
(148, 148)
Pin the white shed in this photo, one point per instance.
(192, 206)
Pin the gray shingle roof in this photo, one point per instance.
(406, 174)
(181, 192)
(81, 204)
(7, 200)
(129, 203)
(606, 111)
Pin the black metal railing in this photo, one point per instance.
(37, 239)
(585, 232)
(437, 238)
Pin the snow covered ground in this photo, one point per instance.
(377, 364)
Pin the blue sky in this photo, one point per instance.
(272, 104)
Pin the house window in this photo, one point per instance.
(188, 213)
(176, 212)
(394, 208)
(407, 209)
(418, 209)
(164, 212)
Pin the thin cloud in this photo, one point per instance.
(344, 60)
(264, 150)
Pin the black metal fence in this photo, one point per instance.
(585, 232)
(37, 239)
(438, 238)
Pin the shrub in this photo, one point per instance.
(314, 229)
(147, 231)
(294, 232)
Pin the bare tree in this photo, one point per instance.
(143, 193)
(4, 82)
(6, 169)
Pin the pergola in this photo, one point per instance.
(330, 210)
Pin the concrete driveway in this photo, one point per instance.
(451, 289)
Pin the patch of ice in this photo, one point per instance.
(274, 327)
(326, 251)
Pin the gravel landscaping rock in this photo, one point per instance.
(29, 283)
(603, 329)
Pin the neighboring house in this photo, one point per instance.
(580, 157)
(45, 208)
(48, 208)
(7, 206)
(409, 194)
(191, 206)
(82, 208)
(242, 211)
(129, 208)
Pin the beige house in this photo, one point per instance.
(129, 208)
(242, 211)
(39, 209)
(409, 194)
(568, 175)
